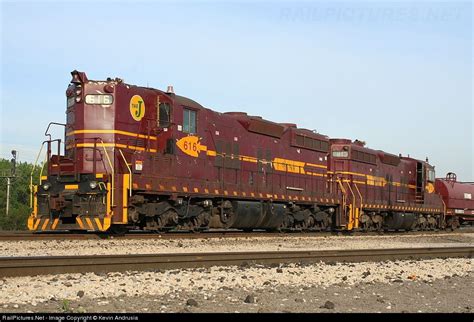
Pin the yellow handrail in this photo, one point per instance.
(113, 172)
(353, 205)
(341, 185)
(129, 170)
(31, 175)
(360, 195)
(358, 210)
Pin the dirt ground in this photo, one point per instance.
(450, 294)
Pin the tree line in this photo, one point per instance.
(19, 208)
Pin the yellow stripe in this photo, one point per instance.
(316, 165)
(45, 224)
(71, 187)
(89, 222)
(110, 145)
(36, 224)
(248, 159)
(55, 223)
(99, 225)
(285, 165)
(372, 180)
(211, 153)
(112, 132)
(79, 221)
(351, 173)
(99, 175)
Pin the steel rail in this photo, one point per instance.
(211, 234)
(25, 235)
(30, 266)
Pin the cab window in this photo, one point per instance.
(189, 121)
(431, 175)
(164, 117)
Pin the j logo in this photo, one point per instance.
(137, 107)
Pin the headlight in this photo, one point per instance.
(46, 186)
(93, 184)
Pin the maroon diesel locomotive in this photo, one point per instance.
(137, 157)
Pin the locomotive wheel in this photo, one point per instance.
(200, 222)
(365, 226)
(169, 218)
(310, 222)
(378, 226)
(287, 223)
(322, 225)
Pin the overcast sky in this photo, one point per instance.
(397, 75)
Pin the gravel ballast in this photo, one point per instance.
(438, 285)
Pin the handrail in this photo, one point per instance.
(344, 193)
(112, 168)
(352, 191)
(353, 205)
(32, 171)
(358, 212)
(341, 185)
(49, 125)
(129, 170)
(360, 195)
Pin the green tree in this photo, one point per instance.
(19, 195)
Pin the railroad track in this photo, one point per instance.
(30, 266)
(25, 235)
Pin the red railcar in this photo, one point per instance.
(458, 198)
(145, 158)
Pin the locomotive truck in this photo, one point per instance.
(139, 158)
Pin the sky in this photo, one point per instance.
(397, 75)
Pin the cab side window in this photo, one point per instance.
(189, 121)
(164, 118)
